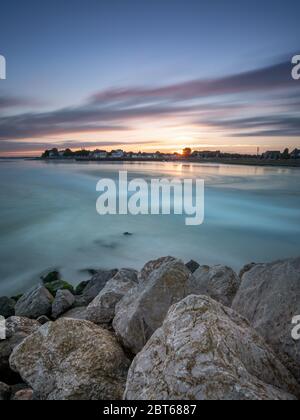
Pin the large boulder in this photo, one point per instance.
(206, 351)
(93, 287)
(143, 308)
(219, 282)
(35, 303)
(4, 392)
(7, 307)
(102, 309)
(17, 329)
(63, 301)
(72, 360)
(269, 297)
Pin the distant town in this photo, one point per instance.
(278, 157)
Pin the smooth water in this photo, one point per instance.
(48, 219)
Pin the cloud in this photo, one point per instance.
(8, 102)
(219, 103)
(31, 146)
(261, 126)
(78, 120)
(274, 77)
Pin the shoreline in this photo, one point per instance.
(292, 163)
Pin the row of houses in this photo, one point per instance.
(277, 154)
(120, 154)
(187, 153)
(105, 155)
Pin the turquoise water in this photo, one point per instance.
(48, 219)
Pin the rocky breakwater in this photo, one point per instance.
(170, 331)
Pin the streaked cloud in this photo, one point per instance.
(262, 102)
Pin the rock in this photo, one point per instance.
(81, 286)
(51, 277)
(57, 285)
(102, 309)
(62, 302)
(94, 287)
(246, 268)
(205, 351)
(16, 298)
(35, 303)
(152, 266)
(43, 320)
(143, 308)
(4, 392)
(17, 329)
(269, 297)
(23, 395)
(76, 313)
(18, 387)
(192, 266)
(219, 282)
(127, 234)
(72, 360)
(7, 307)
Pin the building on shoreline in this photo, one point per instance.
(159, 156)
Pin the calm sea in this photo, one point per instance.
(48, 219)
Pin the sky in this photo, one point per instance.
(149, 75)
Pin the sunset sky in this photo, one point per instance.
(149, 75)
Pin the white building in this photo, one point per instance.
(100, 154)
(117, 154)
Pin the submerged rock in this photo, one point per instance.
(205, 351)
(102, 309)
(269, 297)
(35, 303)
(7, 307)
(219, 282)
(72, 360)
(63, 301)
(51, 277)
(143, 308)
